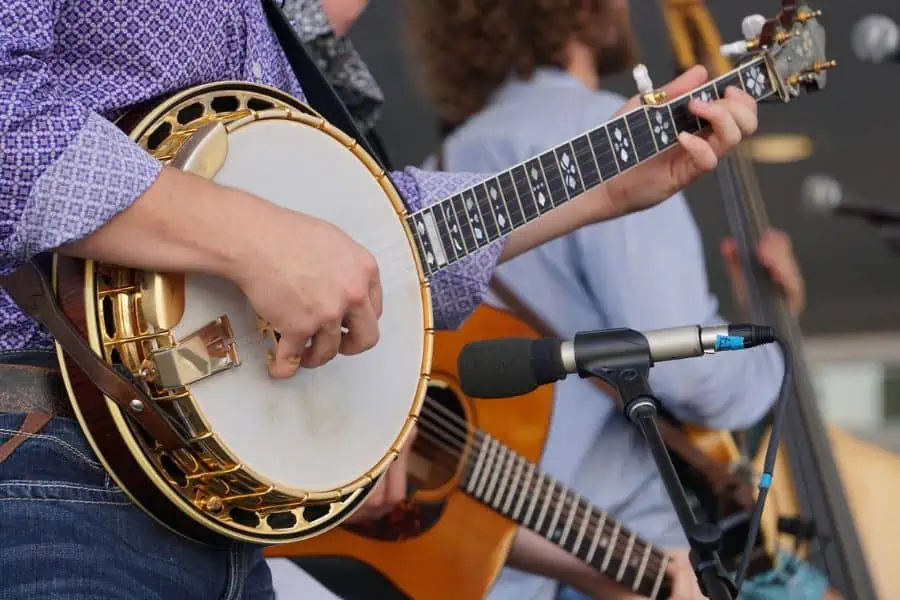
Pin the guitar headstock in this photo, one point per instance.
(793, 45)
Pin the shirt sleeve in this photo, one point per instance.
(647, 271)
(64, 169)
(458, 289)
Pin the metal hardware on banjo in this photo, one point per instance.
(216, 449)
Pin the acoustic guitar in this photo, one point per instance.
(472, 465)
(166, 372)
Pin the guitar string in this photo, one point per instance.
(450, 426)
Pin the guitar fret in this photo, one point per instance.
(505, 471)
(682, 117)
(641, 136)
(495, 473)
(553, 177)
(444, 231)
(545, 505)
(571, 172)
(479, 464)
(660, 576)
(498, 204)
(561, 500)
(456, 238)
(576, 503)
(426, 234)
(588, 169)
(488, 218)
(489, 461)
(534, 499)
(585, 519)
(598, 533)
(526, 194)
(511, 199)
(732, 79)
(523, 494)
(610, 547)
(465, 228)
(626, 557)
(639, 577)
(662, 125)
(538, 184)
(514, 485)
(603, 153)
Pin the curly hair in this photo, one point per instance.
(465, 49)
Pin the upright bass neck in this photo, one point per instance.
(818, 487)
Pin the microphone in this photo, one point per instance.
(876, 39)
(824, 195)
(514, 366)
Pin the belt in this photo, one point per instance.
(35, 390)
(29, 389)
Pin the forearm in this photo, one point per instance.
(181, 223)
(535, 554)
(591, 207)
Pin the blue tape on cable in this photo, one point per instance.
(729, 342)
(765, 480)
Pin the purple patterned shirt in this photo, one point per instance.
(68, 66)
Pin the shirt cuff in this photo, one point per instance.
(99, 174)
(456, 290)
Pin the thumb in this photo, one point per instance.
(288, 352)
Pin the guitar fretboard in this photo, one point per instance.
(505, 481)
(455, 227)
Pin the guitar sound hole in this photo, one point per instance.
(439, 445)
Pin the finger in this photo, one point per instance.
(725, 132)
(700, 151)
(742, 97)
(288, 354)
(744, 115)
(728, 250)
(324, 347)
(362, 330)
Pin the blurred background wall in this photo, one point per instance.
(852, 321)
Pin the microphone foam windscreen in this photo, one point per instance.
(497, 368)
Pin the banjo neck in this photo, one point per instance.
(457, 226)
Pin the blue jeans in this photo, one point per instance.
(68, 532)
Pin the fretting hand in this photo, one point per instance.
(776, 254)
(731, 119)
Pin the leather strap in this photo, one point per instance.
(29, 288)
(29, 388)
(717, 476)
(32, 424)
(318, 91)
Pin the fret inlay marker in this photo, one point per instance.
(621, 144)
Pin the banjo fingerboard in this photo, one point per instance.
(455, 227)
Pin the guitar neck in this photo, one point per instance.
(455, 227)
(511, 485)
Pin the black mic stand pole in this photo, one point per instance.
(641, 408)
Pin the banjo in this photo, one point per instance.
(179, 407)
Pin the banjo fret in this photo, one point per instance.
(455, 227)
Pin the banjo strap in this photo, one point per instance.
(318, 91)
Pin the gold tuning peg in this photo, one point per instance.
(649, 95)
(819, 67)
(806, 15)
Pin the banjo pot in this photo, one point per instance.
(267, 461)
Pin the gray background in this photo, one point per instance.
(853, 280)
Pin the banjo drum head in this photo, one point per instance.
(324, 428)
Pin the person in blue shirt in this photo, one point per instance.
(516, 78)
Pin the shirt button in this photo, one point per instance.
(257, 70)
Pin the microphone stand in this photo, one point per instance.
(641, 408)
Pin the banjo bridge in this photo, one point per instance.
(209, 350)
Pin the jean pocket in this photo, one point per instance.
(56, 463)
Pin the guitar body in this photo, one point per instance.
(870, 475)
(444, 544)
